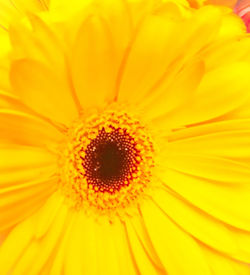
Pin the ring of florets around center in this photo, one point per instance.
(110, 160)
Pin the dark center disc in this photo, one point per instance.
(110, 160)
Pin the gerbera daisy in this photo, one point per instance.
(125, 140)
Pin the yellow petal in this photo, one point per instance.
(21, 128)
(179, 252)
(21, 267)
(155, 53)
(233, 49)
(171, 96)
(11, 10)
(148, 56)
(47, 214)
(42, 222)
(137, 228)
(232, 26)
(5, 46)
(31, 254)
(7, 12)
(226, 204)
(22, 160)
(48, 244)
(80, 256)
(220, 264)
(143, 261)
(43, 90)
(14, 245)
(93, 64)
(36, 40)
(226, 144)
(87, 253)
(220, 127)
(56, 263)
(25, 190)
(208, 230)
(221, 170)
(33, 5)
(4, 73)
(110, 240)
(229, 85)
(62, 9)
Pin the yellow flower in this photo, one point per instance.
(124, 129)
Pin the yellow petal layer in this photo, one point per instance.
(24, 129)
(229, 84)
(208, 230)
(178, 251)
(228, 204)
(24, 191)
(43, 90)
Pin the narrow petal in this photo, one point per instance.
(62, 7)
(220, 127)
(80, 255)
(107, 236)
(87, 252)
(226, 204)
(47, 245)
(98, 51)
(235, 50)
(179, 252)
(93, 63)
(43, 90)
(150, 55)
(32, 5)
(220, 264)
(155, 57)
(208, 230)
(171, 96)
(137, 224)
(33, 255)
(230, 85)
(7, 12)
(14, 245)
(24, 191)
(139, 253)
(221, 170)
(47, 214)
(24, 129)
(56, 263)
(226, 144)
(42, 36)
(4, 73)
(42, 222)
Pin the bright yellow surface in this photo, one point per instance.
(183, 72)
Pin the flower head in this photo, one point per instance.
(124, 140)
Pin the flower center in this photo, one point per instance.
(110, 160)
(107, 162)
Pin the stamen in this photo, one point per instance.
(108, 162)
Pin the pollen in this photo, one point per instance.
(107, 162)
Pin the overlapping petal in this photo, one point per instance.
(193, 218)
(24, 191)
